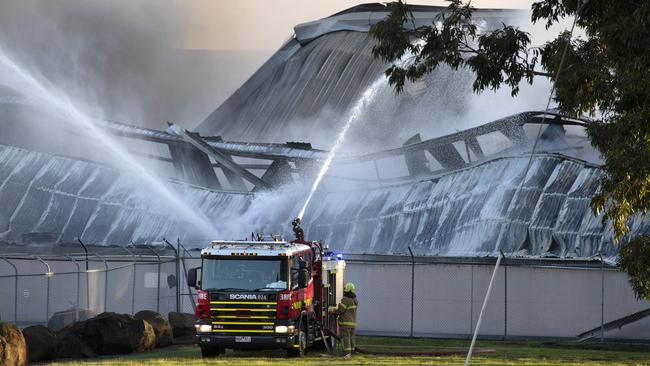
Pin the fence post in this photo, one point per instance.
(602, 298)
(15, 288)
(178, 276)
(189, 290)
(48, 274)
(135, 271)
(177, 270)
(471, 301)
(105, 280)
(87, 279)
(158, 281)
(76, 313)
(412, 287)
(505, 296)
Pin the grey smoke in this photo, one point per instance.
(121, 59)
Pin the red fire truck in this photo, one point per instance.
(266, 294)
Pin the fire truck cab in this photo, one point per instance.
(265, 294)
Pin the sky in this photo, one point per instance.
(266, 24)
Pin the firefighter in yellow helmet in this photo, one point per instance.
(347, 312)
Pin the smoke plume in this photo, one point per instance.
(120, 58)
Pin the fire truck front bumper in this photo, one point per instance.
(247, 341)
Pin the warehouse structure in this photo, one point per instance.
(455, 201)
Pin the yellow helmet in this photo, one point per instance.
(349, 287)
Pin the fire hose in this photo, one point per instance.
(325, 331)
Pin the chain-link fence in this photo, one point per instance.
(404, 296)
(442, 297)
(36, 285)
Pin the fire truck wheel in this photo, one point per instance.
(302, 344)
(207, 352)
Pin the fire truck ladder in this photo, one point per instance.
(614, 324)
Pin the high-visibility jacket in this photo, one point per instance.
(347, 312)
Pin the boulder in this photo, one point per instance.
(13, 349)
(41, 343)
(105, 334)
(182, 324)
(69, 343)
(161, 327)
(111, 333)
(142, 336)
(60, 319)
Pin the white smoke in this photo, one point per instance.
(121, 59)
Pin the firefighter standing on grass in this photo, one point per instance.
(347, 316)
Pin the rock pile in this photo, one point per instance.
(105, 334)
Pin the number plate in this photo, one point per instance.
(243, 339)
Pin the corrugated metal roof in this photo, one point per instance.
(67, 198)
(303, 91)
(468, 213)
(328, 73)
(473, 212)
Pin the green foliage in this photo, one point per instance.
(605, 74)
(499, 57)
(625, 144)
(635, 259)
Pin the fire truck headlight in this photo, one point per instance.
(204, 328)
(281, 329)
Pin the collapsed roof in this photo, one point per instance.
(303, 91)
(464, 213)
(458, 194)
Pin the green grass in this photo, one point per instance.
(507, 353)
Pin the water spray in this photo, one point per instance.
(57, 99)
(354, 115)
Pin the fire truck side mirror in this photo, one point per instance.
(303, 278)
(191, 277)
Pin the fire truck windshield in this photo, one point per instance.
(258, 274)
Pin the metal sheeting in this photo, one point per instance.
(361, 17)
(467, 213)
(473, 212)
(329, 72)
(306, 97)
(57, 199)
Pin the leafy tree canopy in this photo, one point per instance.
(605, 73)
